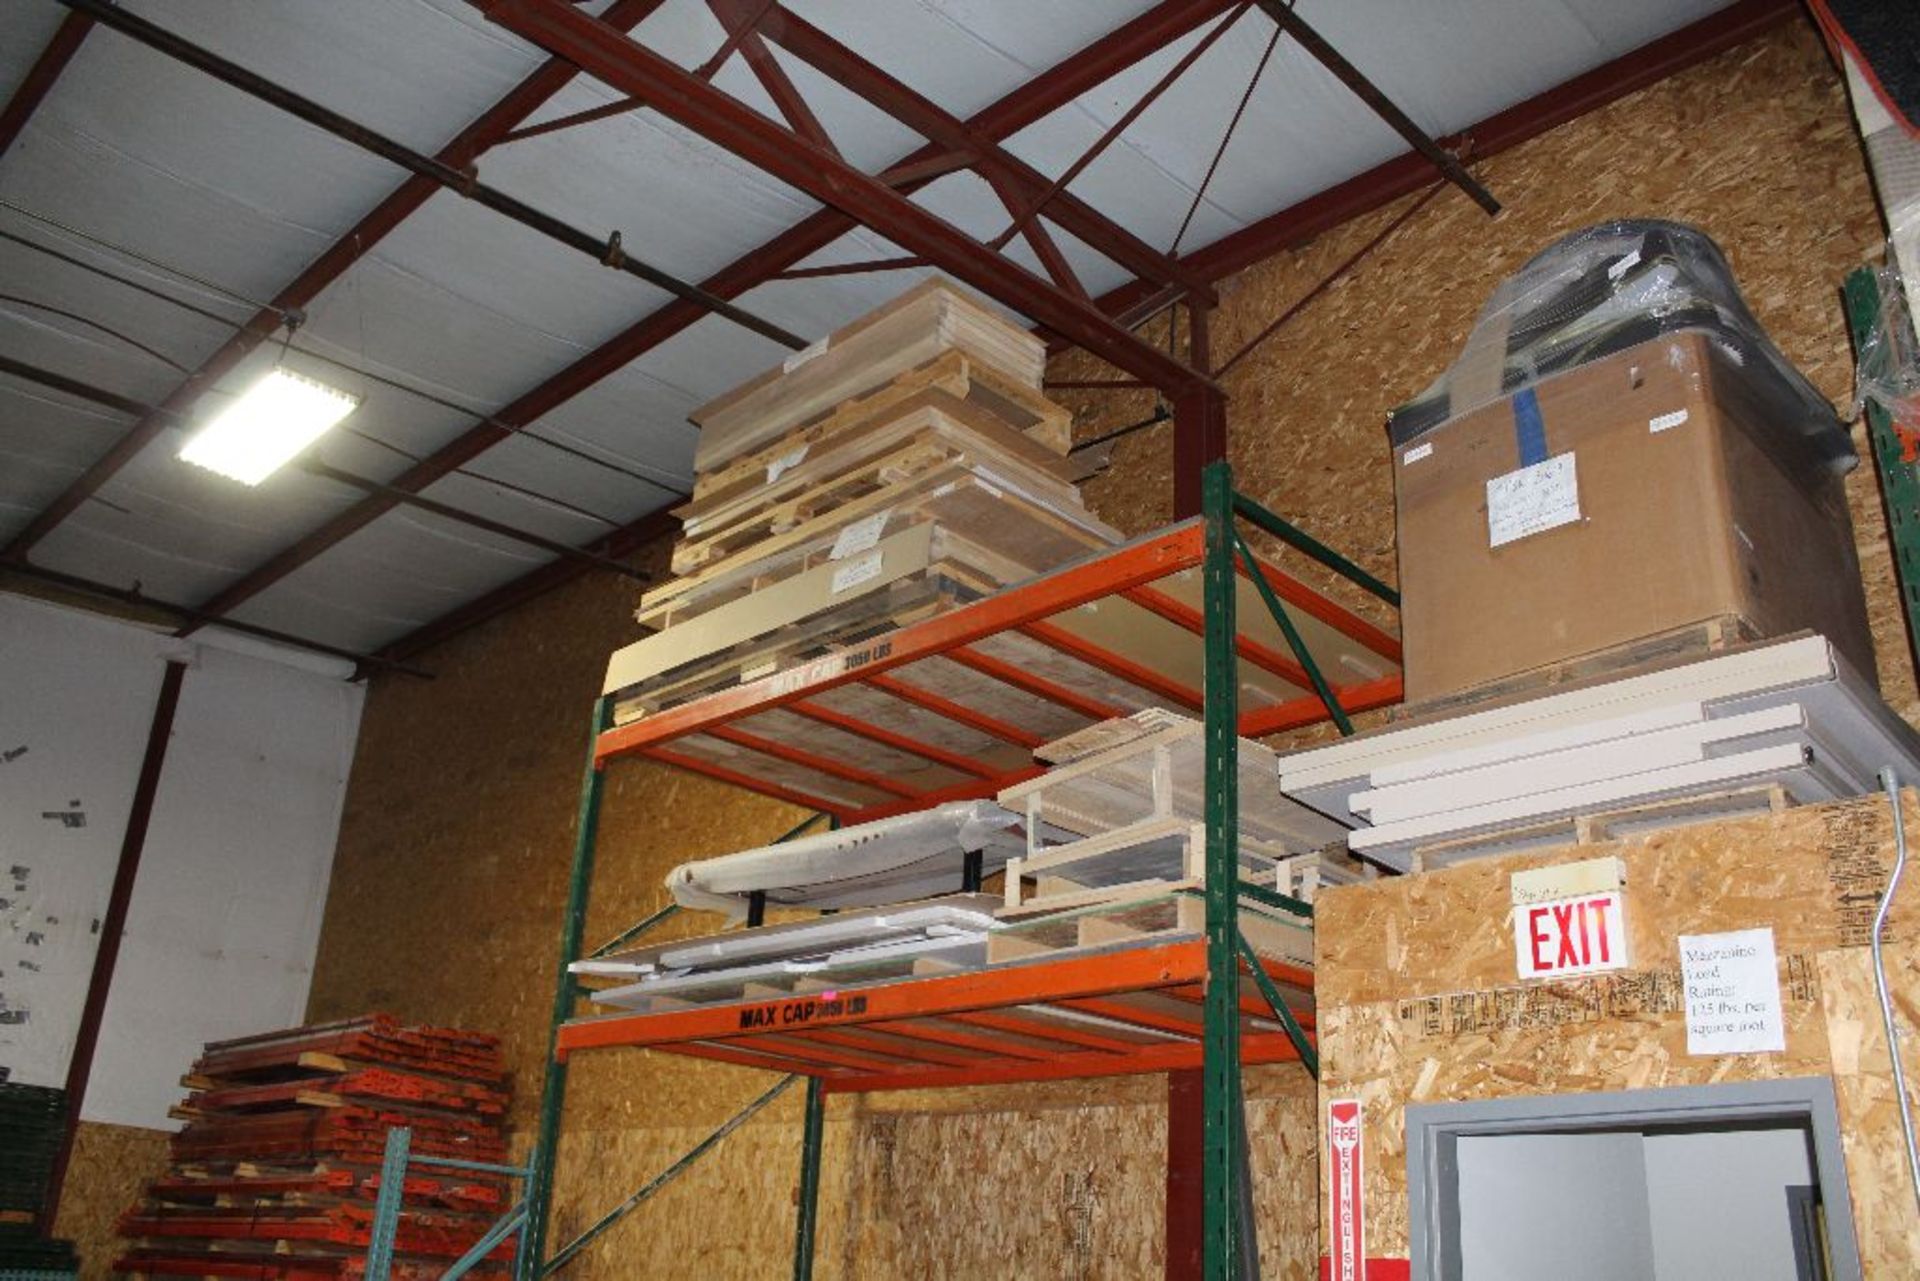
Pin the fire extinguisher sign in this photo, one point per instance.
(1346, 1209)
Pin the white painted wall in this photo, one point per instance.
(76, 697)
(225, 915)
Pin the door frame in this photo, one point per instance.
(1434, 1131)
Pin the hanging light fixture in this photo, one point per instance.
(269, 424)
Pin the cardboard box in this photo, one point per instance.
(1648, 491)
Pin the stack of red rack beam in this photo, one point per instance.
(274, 1176)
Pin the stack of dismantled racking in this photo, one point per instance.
(275, 1173)
(907, 464)
(32, 1121)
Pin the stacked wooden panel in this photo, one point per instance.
(32, 1120)
(907, 465)
(274, 1176)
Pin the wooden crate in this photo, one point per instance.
(933, 318)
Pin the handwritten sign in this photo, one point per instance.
(1733, 993)
(1532, 500)
(860, 535)
(1567, 880)
(855, 572)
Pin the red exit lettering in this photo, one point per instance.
(1570, 936)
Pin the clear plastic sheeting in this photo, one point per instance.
(886, 861)
(1602, 291)
(1888, 369)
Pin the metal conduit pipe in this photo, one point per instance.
(1891, 782)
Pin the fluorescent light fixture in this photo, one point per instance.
(272, 421)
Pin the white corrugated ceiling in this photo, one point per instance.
(135, 149)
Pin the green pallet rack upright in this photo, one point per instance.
(1228, 1227)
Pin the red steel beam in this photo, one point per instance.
(921, 114)
(625, 541)
(1254, 1048)
(999, 1047)
(491, 127)
(1186, 616)
(1046, 93)
(993, 727)
(1096, 656)
(1345, 621)
(1009, 673)
(1052, 190)
(1048, 1030)
(811, 760)
(112, 929)
(804, 1047)
(1408, 173)
(1121, 1012)
(725, 121)
(40, 77)
(743, 30)
(972, 791)
(1035, 232)
(867, 267)
(1377, 101)
(1136, 563)
(899, 742)
(1367, 697)
(1073, 976)
(884, 1040)
(680, 760)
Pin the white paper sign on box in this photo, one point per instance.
(1733, 993)
(1532, 500)
(856, 572)
(860, 535)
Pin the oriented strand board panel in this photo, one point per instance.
(1419, 1000)
(110, 1169)
(1755, 147)
(452, 865)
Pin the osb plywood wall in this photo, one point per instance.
(108, 1171)
(1755, 147)
(454, 847)
(1420, 1003)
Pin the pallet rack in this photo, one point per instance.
(979, 1027)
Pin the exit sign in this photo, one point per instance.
(1563, 937)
